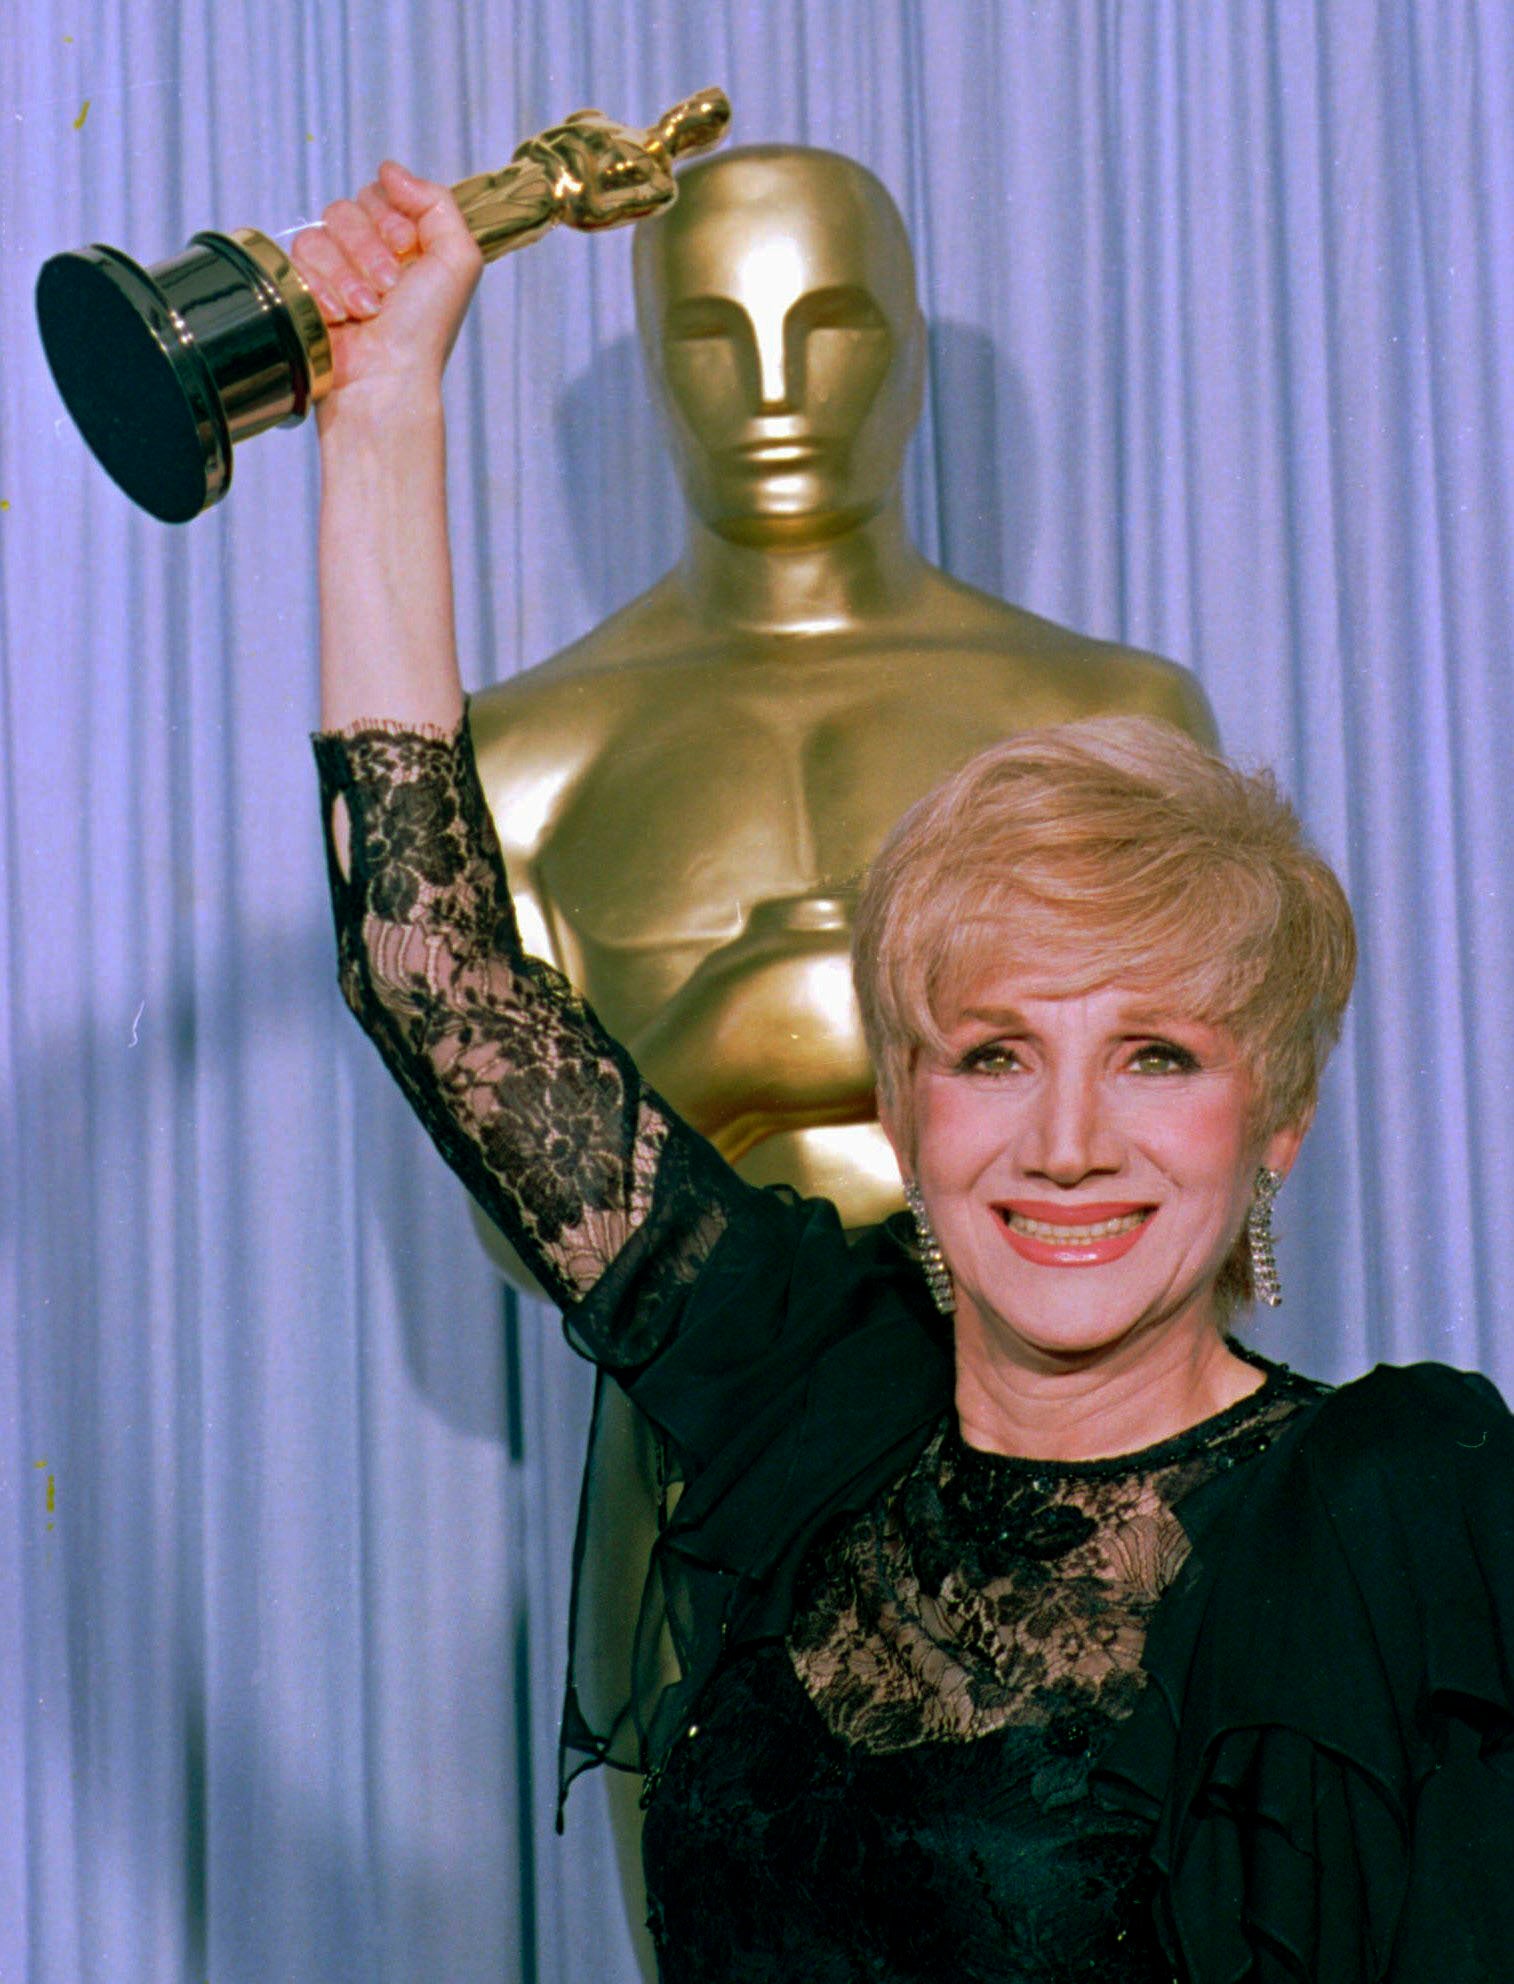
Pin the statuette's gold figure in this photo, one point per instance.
(688, 794)
(589, 172)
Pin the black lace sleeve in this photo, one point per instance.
(540, 1113)
(764, 1366)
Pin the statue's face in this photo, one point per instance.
(777, 306)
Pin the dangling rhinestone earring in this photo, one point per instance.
(937, 1277)
(1259, 1234)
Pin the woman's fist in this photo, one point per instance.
(393, 272)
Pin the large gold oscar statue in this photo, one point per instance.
(688, 795)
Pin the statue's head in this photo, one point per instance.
(777, 308)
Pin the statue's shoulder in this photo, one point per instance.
(651, 632)
(1151, 685)
(534, 735)
(1099, 675)
(539, 732)
(536, 698)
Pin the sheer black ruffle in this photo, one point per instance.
(1326, 1750)
(769, 1372)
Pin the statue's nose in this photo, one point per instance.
(776, 390)
(773, 277)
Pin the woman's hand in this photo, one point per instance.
(393, 272)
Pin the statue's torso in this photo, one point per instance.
(685, 817)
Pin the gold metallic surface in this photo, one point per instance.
(688, 795)
(589, 173)
(304, 311)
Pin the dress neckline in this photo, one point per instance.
(1277, 1380)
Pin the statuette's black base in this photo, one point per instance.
(164, 368)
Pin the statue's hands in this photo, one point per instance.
(602, 173)
(393, 272)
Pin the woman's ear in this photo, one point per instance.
(899, 1141)
(1281, 1149)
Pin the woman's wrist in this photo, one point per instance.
(386, 584)
(395, 411)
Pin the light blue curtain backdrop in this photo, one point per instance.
(1222, 327)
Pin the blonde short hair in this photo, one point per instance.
(1111, 850)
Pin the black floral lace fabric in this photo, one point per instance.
(539, 1111)
(901, 1792)
(988, 1589)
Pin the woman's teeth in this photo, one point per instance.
(1069, 1236)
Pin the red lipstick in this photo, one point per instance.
(1048, 1234)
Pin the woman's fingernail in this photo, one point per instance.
(397, 233)
(386, 275)
(361, 299)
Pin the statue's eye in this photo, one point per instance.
(702, 317)
(841, 307)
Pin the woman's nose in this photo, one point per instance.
(1069, 1136)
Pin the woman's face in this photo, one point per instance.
(1087, 1162)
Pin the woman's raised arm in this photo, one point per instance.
(543, 1116)
(393, 271)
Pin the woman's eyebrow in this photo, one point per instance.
(999, 1016)
(1133, 1020)
(1159, 1019)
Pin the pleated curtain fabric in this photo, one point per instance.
(1221, 304)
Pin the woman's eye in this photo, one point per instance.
(994, 1057)
(1162, 1057)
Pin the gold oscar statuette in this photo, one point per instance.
(164, 369)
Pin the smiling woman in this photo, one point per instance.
(1088, 1183)
(1100, 972)
(1067, 1640)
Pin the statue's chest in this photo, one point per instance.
(705, 803)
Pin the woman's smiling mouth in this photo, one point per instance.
(1072, 1236)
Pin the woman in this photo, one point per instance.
(1009, 1621)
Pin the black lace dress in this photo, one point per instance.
(888, 1691)
(901, 1790)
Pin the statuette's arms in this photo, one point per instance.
(588, 172)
